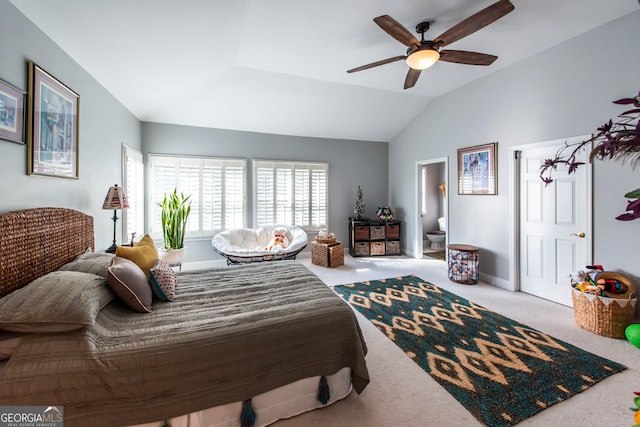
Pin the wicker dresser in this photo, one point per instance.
(372, 237)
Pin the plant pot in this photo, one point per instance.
(172, 256)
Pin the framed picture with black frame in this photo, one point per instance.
(53, 125)
(477, 170)
(11, 113)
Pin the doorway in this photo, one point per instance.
(432, 208)
(552, 224)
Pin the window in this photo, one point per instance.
(291, 193)
(217, 189)
(133, 183)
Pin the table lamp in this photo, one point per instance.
(115, 199)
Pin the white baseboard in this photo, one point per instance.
(496, 281)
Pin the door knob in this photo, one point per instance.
(580, 234)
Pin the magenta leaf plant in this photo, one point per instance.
(615, 140)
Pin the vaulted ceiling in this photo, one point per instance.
(279, 66)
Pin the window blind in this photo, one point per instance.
(217, 189)
(291, 193)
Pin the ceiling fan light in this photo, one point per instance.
(423, 58)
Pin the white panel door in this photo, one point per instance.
(555, 226)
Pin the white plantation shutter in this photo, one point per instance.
(264, 195)
(302, 198)
(319, 190)
(292, 193)
(234, 197)
(133, 183)
(217, 189)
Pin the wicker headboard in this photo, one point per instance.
(34, 242)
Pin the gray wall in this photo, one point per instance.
(563, 92)
(351, 163)
(104, 125)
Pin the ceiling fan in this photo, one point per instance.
(422, 54)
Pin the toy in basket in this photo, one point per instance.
(603, 301)
(325, 237)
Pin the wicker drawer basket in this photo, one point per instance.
(377, 232)
(606, 316)
(361, 232)
(377, 248)
(327, 255)
(392, 231)
(393, 247)
(362, 248)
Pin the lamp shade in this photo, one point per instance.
(115, 199)
(423, 58)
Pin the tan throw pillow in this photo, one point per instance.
(89, 262)
(56, 302)
(144, 253)
(130, 284)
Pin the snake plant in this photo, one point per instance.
(175, 211)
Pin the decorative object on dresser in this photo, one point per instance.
(52, 126)
(115, 199)
(358, 209)
(385, 213)
(11, 113)
(372, 237)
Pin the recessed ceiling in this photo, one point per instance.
(279, 66)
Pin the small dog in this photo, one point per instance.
(279, 240)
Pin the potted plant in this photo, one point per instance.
(619, 140)
(175, 209)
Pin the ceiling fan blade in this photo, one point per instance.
(475, 22)
(396, 30)
(377, 63)
(469, 58)
(412, 78)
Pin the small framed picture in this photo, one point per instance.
(477, 169)
(52, 122)
(11, 113)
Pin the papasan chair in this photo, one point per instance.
(245, 245)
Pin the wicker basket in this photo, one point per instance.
(327, 255)
(327, 241)
(607, 316)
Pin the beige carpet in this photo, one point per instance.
(402, 394)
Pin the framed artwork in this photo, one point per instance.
(11, 113)
(477, 169)
(52, 126)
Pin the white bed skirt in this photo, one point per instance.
(284, 402)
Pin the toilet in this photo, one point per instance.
(437, 237)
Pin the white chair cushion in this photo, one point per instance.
(251, 242)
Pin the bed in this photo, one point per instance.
(262, 340)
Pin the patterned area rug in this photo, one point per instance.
(501, 370)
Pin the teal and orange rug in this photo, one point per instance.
(501, 370)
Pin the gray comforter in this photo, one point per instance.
(231, 334)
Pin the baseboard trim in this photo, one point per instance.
(496, 281)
